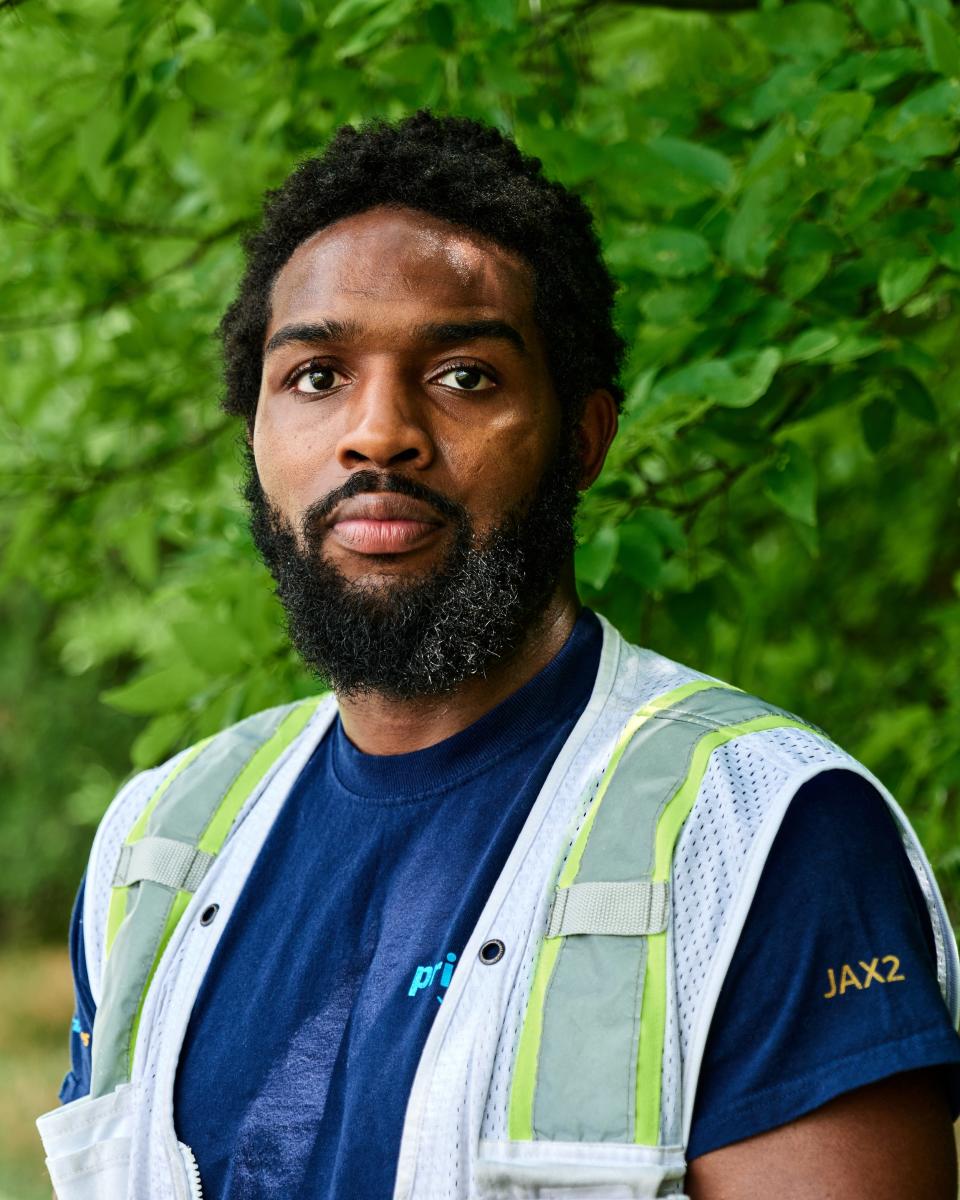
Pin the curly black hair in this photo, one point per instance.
(464, 172)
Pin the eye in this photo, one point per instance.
(466, 379)
(316, 378)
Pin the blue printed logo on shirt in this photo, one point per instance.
(426, 976)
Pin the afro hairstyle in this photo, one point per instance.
(461, 171)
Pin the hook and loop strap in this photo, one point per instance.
(632, 909)
(166, 861)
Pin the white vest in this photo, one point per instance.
(455, 1142)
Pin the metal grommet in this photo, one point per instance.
(491, 952)
(206, 917)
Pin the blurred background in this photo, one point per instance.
(776, 187)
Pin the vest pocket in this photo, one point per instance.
(547, 1170)
(87, 1143)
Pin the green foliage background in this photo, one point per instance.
(777, 190)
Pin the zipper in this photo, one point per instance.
(193, 1172)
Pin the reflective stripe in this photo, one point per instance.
(201, 799)
(620, 909)
(523, 1085)
(589, 1061)
(654, 1003)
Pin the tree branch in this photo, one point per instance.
(131, 292)
(109, 475)
(94, 221)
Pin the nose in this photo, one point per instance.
(386, 428)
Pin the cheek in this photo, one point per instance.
(501, 465)
(288, 461)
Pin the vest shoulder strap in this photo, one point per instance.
(596, 1016)
(164, 859)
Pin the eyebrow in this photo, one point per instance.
(447, 333)
(311, 334)
(443, 333)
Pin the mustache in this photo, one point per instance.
(377, 481)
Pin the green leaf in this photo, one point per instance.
(640, 555)
(157, 691)
(595, 559)
(668, 305)
(136, 540)
(501, 14)
(700, 163)
(947, 246)
(212, 646)
(804, 31)
(348, 10)
(791, 482)
(750, 235)
(736, 382)
(881, 17)
(877, 421)
(853, 346)
(290, 16)
(940, 42)
(667, 528)
(900, 278)
(812, 343)
(840, 119)
(671, 252)
(158, 739)
(439, 23)
(802, 275)
(912, 142)
(914, 396)
(881, 188)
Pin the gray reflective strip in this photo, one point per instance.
(586, 1075)
(181, 816)
(127, 970)
(193, 798)
(620, 909)
(162, 860)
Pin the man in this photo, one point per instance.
(373, 990)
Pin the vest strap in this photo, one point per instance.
(589, 1060)
(631, 909)
(162, 860)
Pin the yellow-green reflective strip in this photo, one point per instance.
(654, 1010)
(523, 1086)
(216, 832)
(118, 895)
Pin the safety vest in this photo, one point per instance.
(564, 1059)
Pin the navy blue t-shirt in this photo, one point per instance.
(308, 1028)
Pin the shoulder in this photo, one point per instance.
(651, 683)
(215, 761)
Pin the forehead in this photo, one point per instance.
(386, 258)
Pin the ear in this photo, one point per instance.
(595, 432)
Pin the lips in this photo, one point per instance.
(383, 523)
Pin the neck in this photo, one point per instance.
(377, 724)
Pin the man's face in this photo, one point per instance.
(414, 482)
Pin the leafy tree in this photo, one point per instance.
(777, 190)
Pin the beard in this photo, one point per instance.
(419, 637)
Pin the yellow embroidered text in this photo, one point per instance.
(850, 979)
